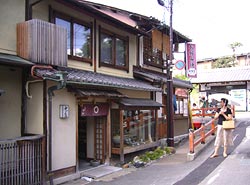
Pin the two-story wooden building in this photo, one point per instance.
(70, 81)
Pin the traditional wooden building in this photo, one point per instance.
(75, 90)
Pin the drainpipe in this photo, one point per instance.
(62, 84)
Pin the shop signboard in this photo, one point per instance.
(94, 109)
(191, 65)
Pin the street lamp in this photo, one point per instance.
(169, 106)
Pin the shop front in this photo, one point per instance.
(134, 125)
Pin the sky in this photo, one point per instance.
(211, 24)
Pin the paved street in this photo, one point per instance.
(175, 169)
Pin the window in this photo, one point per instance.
(139, 127)
(79, 45)
(113, 51)
(153, 56)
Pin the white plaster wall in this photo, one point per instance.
(11, 13)
(34, 124)
(10, 102)
(63, 131)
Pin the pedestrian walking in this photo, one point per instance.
(223, 136)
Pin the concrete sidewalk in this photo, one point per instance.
(180, 157)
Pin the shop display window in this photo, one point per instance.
(138, 127)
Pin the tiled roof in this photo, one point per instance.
(233, 74)
(98, 93)
(160, 77)
(76, 76)
(136, 22)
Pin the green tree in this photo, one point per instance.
(223, 62)
(181, 77)
(234, 46)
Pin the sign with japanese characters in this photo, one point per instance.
(191, 68)
(94, 110)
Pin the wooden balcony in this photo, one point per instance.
(42, 42)
(22, 161)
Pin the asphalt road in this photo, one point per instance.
(208, 166)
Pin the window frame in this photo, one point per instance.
(73, 20)
(151, 55)
(113, 49)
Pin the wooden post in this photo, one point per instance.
(157, 125)
(202, 134)
(121, 137)
(191, 141)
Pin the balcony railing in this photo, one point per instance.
(22, 161)
(42, 42)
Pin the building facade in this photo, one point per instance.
(68, 76)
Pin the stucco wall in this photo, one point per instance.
(10, 102)
(35, 108)
(11, 13)
(63, 131)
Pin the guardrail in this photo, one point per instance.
(199, 136)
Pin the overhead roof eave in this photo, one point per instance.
(133, 103)
(14, 60)
(82, 77)
(85, 5)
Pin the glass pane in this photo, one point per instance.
(106, 49)
(66, 25)
(139, 127)
(120, 52)
(82, 41)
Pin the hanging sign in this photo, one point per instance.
(94, 110)
(191, 67)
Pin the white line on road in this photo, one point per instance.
(235, 137)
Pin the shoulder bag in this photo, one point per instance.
(229, 124)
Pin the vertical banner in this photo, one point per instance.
(191, 68)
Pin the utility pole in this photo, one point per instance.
(169, 106)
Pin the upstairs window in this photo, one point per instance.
(79, 37)
(113, 51)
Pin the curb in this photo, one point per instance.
(200, 148)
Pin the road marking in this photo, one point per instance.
(235, 137)
(212, 179)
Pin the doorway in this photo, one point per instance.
(91, 140)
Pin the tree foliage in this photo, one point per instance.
(223, 62)
(235, 45)
(227, 61)
(181, 77)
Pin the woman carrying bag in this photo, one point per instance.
(223, 136)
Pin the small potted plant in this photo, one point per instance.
(95, 162)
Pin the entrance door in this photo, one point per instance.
(82, 138)
(100, 138)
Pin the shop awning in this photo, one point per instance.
(158, 77)
(137, 103)
(82, 93)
